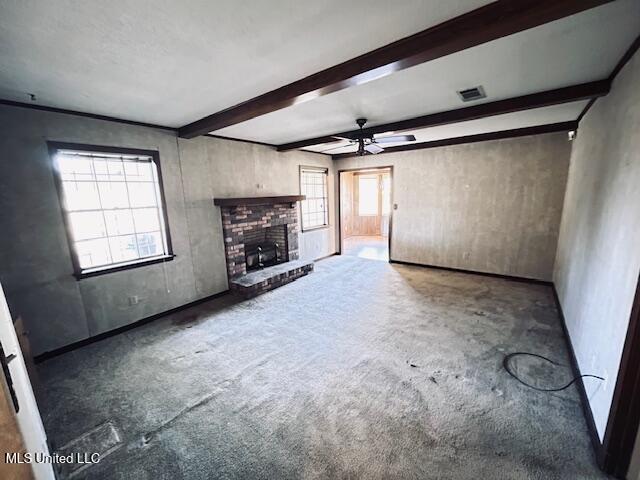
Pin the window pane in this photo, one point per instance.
(367, 196)
(87, 225)
(100, 169)
(123, 248)
(74, 167)
(138, 171)
(146, 220)
(119, 222)
(113, 195)
(142, 194)
(116, 170)
(314, 207)
(81, 195)
(150, 244)
(92, 253)
(113, 207)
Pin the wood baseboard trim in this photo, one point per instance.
(584, 399)
(475, 272)
(88, 341)
(326, 256)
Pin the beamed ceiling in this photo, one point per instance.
(283, 72)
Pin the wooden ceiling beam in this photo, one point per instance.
(487, 23)
(481, 137)
(558, 96)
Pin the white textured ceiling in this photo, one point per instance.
(577, 49)
(497, 123)
(171, 62)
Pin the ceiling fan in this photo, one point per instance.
(369, 143)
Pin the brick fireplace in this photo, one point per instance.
(261, 242)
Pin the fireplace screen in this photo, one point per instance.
(264, 247)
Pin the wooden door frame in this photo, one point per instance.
(624, 416)
(339, 202)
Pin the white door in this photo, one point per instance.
(28, 416)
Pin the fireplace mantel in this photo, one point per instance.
(234, 202)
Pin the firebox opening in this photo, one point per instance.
(264, 247)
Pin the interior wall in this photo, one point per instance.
(491, 207)
(35, 262)
(634, 467)
(221, 168)
(347, 200)
(598, 258)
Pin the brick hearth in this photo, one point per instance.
(238, 219)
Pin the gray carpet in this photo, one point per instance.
(360, 370)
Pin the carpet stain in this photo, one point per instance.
(362, 369)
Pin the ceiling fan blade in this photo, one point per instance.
(343, 139)
(373, 148)
(396, 138)
(335, 148)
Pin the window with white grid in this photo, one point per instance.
(315, 209)
(113, 208)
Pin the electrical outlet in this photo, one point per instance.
(134, 300)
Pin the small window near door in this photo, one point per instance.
(315, 209)
(367, 195)
(113, 205)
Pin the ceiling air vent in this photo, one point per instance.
(471, 94)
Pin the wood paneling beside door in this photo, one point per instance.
(354, 222)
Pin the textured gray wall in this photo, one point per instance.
(213, 168)
(35, 263)
(599, 247)
(490, 207)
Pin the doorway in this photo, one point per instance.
(366, 212)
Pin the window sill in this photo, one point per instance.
(313, 229)
(94, 272)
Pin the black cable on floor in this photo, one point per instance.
(507, 367)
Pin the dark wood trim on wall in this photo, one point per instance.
(483, 137)
(586, 109)
(490, 22)
(628, 55)
(584, 399)
(624, 416)
(111, 333)
(94, 116)
(619, 66)
(106, 118)
(221, 137)
(573, 93)
(475, 272)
